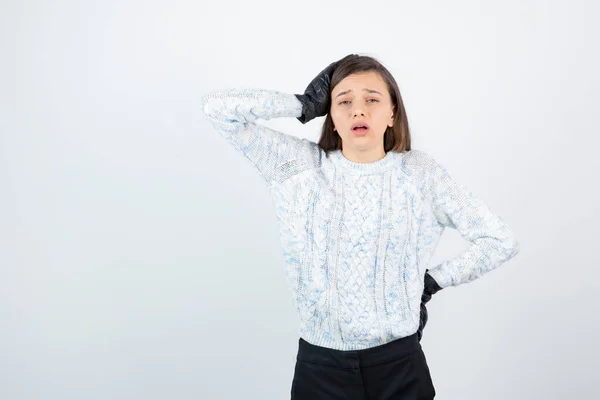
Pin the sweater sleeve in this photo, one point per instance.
(233, 113)
(492, 242)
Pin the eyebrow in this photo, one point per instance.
(366, 90)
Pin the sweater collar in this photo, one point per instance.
(368, 168)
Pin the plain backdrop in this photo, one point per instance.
(139, 252)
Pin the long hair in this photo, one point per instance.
(396, 138)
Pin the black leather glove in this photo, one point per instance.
(430, 288)
(316, 99)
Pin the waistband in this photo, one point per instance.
(390, 351)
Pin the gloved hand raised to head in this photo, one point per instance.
(430, 288)
(316, 99)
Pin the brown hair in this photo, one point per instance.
(396, 138)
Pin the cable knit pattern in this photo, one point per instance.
(357, 237)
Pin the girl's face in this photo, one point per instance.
(361, 98)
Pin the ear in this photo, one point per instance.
(391, 124)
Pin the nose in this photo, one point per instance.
(358, 111)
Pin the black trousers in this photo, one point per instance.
(393, 371)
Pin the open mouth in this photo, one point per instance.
(360, 129)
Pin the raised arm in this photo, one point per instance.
(274, 154)
(492, 242)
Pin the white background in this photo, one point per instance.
(139, 253)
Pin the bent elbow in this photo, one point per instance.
(512, 246)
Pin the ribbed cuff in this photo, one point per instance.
(441, 278)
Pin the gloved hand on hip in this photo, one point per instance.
(431, 287)
(316, 99)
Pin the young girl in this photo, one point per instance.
(360, 214)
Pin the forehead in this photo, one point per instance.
(360, 80)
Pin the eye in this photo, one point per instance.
(348, 101)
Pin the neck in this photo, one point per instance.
(364, 156)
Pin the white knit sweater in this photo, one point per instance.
(357, 237)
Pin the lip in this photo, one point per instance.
(363, 133)
(359, 123)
